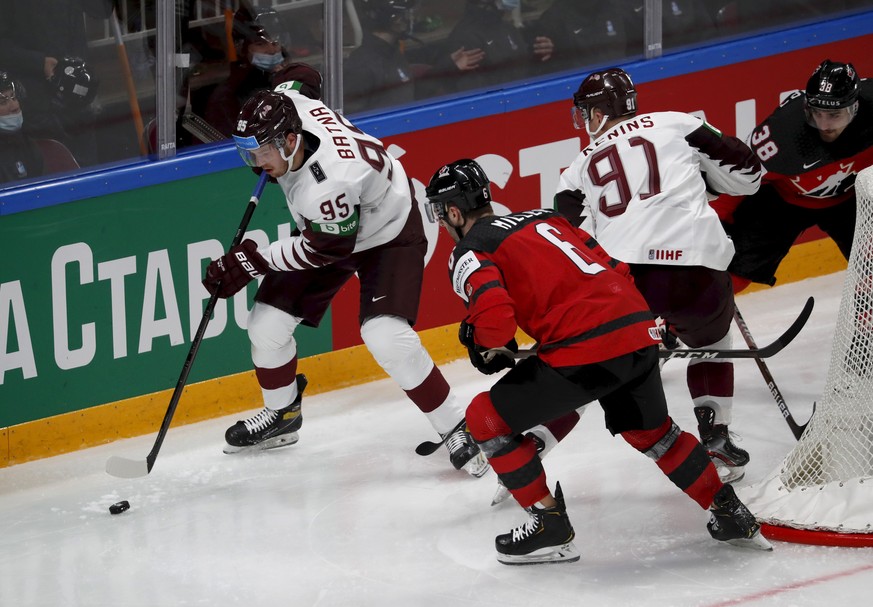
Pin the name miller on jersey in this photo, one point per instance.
(508, 222)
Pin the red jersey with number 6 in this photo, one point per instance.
(534, 271)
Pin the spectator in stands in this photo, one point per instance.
(682, 22)
(583, 34)
(35, 39)
(812, 147)
(510, 53)
(19, 156)
(264, 63)
(387, 67)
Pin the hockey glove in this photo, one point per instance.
(231, 272)
(487, 361)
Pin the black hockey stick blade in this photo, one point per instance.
(127, 468)
(429, 447)
(767, 351)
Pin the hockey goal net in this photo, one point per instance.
(822, 492)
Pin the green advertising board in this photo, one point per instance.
(99, 298)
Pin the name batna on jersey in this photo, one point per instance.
(464, 267)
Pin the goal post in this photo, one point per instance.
(822, 492)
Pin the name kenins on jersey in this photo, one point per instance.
(623, 128)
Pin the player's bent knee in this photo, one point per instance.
(486, 425)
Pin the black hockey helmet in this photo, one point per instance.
(461, 183)
(266, 118)
(611, 91)
(833, 85)
(73, 86)
(258, 24)
(388, 15)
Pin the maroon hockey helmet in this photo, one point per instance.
(832, 86)
(266, 118)
(461, 183)
(611, 91)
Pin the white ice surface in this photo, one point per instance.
(351, 516)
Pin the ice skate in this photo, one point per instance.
(546, 537)
(502, 492)
(268, 429)
(464, 453)
(730, 461)
(730, 521)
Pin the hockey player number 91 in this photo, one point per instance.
(616, 174)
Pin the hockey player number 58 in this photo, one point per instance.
(551, 234)
(615, 173)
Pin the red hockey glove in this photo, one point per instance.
(231, 272)
(487, 361)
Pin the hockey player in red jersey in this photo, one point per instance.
(643, 185)
(355, 213)
(597, 341)
(812, 148)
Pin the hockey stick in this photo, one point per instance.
(796, 429)
(133, 468)
(767, 351)
(428, 447)
(201, 129)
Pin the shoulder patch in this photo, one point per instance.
(464, 267)
(317, 172)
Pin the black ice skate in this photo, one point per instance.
(730, 461)
(730, 521)
(268, 429)
(464, 453)
(547, 537)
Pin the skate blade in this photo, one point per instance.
(500, 496)
(756, 542)
(477, 466)
(729, 474)
(283, 440)
(565, 553)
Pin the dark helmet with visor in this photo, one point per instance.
(461, 183)
(257, 24)
(611, 91)
(266, 118)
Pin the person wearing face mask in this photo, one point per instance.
(812, 147)
(20, 157)
(261, 40)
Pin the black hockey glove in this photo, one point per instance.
(487, 361)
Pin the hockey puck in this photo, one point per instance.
(119, 507)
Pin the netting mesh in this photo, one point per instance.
(826, 482)
(838, 443)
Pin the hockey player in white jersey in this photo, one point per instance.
(354, 211)
(643, 187)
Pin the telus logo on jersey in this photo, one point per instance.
(665, 254)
